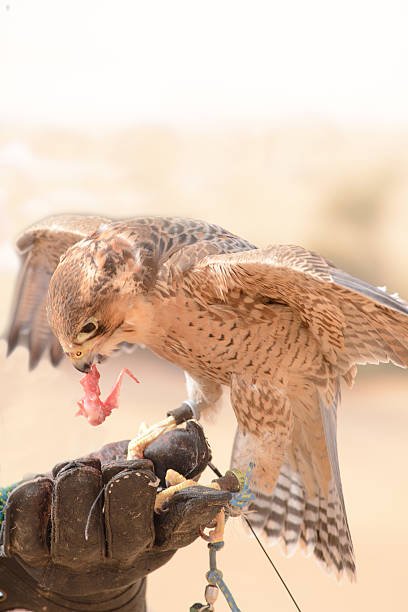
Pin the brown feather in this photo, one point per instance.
(40, 248)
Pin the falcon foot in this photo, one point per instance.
(216, 534)
(175, 482)
(137, 445)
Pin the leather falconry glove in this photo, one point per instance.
(57, 555)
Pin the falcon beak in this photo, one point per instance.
(82, 360)
(83, 365)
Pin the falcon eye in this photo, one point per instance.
(78, 354)
(88, 328)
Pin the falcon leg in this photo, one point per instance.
(137, 445)
(203, 395)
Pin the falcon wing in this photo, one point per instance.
(40, 248)
(353, 321)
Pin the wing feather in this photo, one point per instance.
(306, 506)
(40, 248)
(353, 321)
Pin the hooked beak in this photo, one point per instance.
(84, 364)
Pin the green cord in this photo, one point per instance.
(4, 494)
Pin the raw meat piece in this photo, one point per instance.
(91, 406)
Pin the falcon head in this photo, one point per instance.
(97, 289)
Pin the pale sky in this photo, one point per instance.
(119, 61)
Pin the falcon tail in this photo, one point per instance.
(318, 525)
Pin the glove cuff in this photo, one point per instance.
(131, 599)
(19, 590)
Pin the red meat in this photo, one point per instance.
(91, 406)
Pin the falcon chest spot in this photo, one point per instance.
(198, 341)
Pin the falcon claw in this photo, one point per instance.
(137, 445)
(177, 483)
(216, 534)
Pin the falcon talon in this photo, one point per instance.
(165, 496)
(217, 534)
(137, 445)
(173, 478)
(177, 482)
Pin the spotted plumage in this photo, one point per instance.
(280, 326)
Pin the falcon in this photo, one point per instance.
(281, 327)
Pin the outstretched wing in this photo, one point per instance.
(348, 322)
(40, 248)
(353, 321)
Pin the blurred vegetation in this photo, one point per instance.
(356, 212)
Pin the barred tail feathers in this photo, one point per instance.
(318, 525)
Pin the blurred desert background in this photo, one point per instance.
(330, 182)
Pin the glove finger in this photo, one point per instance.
(189, 511)
(110, 469)
(114, 451)
(65, 465)
(75, 540)
(129, 509)
(26, 520)
(184, 450)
